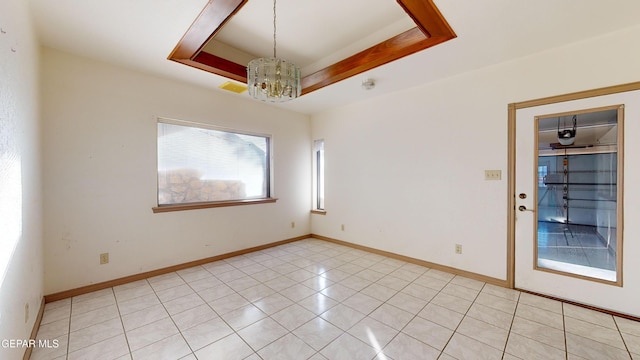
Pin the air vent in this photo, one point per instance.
(234, 87)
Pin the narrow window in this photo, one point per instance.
(199, 163)
(318, 160)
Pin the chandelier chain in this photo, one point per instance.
(274, 29)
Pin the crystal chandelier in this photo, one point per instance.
(272, 79)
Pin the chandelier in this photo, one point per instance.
(273, 79)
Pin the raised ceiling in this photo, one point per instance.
(229, 33)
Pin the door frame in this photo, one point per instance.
(511, 157)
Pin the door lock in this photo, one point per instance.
(524, 208)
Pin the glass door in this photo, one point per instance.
(568, 219)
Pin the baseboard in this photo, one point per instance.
(131, 278)
(451, 270)
(34, 331)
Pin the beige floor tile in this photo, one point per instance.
(496, 302)
(293, 316)
(288, 347)
(491, 316)
(441, 316)
(228, 303)
(499, 291)
(192, 317)
(431, 282)
(541, 316)
(144, 317)
(206, 333)
(536, 331)
(53, 329)
(407, 302)
(628, 326)
(632, 342)
(420, 292)
(589, 315)
(468, 283)
(317, 333)
(460, 291)
(379, 292)
(362, 303)
(392, 316)
(452, 303)
(172, 347)
(181, 304)
(94, 334)
(428, 332)
(483, 332)
(317, 303)
(541, 302)
(526, 348)
(593, 350)
(262, 333)
(594, 332)
(347, 347)
(463, 347)
(93, 303)
(243, 317)
(438, 274)
(148, 334)
(342, 316)
(273, 303)
(338, 292)
(373, 332)
(104, 350)
(407, 347)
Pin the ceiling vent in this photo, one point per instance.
(234, 87)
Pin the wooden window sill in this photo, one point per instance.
(207, 205)
(319, 212)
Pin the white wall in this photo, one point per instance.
(21, 268)
(405, 171)
(100, 173)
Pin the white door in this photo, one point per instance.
(554, 192)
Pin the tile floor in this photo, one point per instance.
(313, 299)
(579, 251)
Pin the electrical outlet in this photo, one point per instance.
(493, 174)
(104, 258)
(26, 312)
(293, 224)
(342, 227)
(458, 249)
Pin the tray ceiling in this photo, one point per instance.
(328, 40)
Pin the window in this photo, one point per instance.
(543, 171)
(318, 170)
(202, 164)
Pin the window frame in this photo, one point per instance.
(318, 177)
(223, 203)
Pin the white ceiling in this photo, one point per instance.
(140, 34)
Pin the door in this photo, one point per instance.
(568, 204)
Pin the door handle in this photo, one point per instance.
(524, 208)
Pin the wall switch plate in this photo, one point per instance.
(458, 249)
(342, 227)
(104, 258)
(293, 224)
(493, 174)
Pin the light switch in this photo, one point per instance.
(493, 174)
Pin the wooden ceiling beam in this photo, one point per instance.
(432, 29)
